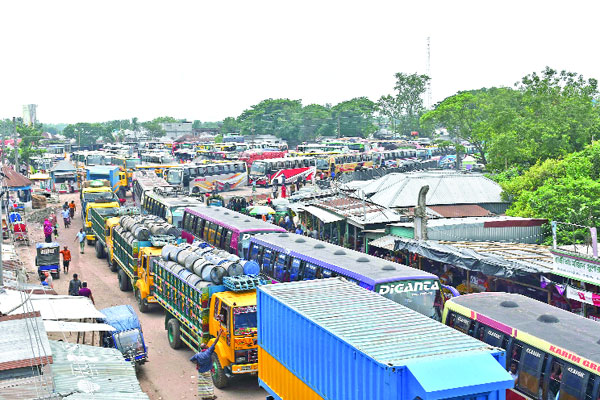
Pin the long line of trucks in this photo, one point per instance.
(320, 339)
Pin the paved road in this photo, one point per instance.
(169, 374)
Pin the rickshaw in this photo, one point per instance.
(215, 200)
(47, 259)
(127, 337)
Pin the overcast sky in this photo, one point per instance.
(102, 60)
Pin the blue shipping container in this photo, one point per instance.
(347, 343)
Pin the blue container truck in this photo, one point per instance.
(342, 342)
(113, 174)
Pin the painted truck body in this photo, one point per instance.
(113, 174)
(340, 341)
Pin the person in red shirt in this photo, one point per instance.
(85, 291)
(66, 253)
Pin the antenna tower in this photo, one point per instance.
(429, 102)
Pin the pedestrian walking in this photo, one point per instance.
(66, 253)
(86, 292)
(81, 237)
(48, 231)
(72, 208)
(53, 219)
(203, 361)
(66, 206)
(66, 214)
(283, 191)
(74, 286)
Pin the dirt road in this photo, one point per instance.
(169, 374)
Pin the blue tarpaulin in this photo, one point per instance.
(122, 318)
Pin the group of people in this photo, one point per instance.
(79, 288)
(51, 223)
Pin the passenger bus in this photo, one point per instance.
(168, 203)
(87, 158)
(223, 228)
(349, 162)
(157, 158)
(393, 158)
(250, 156)
(264, 172)
(209, 177)
(145, 181)
(552, 351)
(289, 257)
(158, 169)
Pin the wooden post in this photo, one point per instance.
(420, 264)
(468, 281)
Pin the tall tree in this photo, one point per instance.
(355, 117)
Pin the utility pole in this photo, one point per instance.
(4, 129)
(16, 144)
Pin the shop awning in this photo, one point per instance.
(504, 260)
(386, 242)
(64, 326)
(58, 307)
(321, 214)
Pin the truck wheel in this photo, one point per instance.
(218, 375)
(100, 253)
(112, 265)
(56, 275)
(142, 303)
(123, 281)
(174, 333)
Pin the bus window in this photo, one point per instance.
(530, 371)
(281, 272)
(573, 382)
(201, 171)
(227, 241)
(200, 228)
(461, 323)
(210, 236)
(266, 262)
(556, 373)
(218, 231)
(219, 169)
(295, 270)
(328, 274)
(493, 337)
(254, 252)
(310, 272)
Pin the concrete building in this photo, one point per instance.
(29, 114)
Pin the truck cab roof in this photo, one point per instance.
(238, 299)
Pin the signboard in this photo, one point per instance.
(409, 286)
(583, 296)
(578, 268)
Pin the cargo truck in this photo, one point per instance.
(116, 178)
(134, 242)
(196, 311)
(331, 339)
(102, 207)
(94, 190)
(102, 222)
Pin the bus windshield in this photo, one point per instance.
(95, 196)
(418, 295)
(322, 164)
(95, 160)
(177, 213)
(258, 168)
(174, 176)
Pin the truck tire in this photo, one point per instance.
(218, 374)
(100, 253)
(123, 281)
(174, 333)
(142, 303)
(113, 265)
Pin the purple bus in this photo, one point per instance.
(223, 228)
(287, 257)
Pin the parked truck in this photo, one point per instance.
(331, 339)
(105, 208)
(135, 241)
(98, 189)
(127, 337)
(200, 301)
(101, 227)
(116, 178)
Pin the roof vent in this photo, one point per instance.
(339, 252)
(388, 268)
(226, 213)
(548, 319)
(509, 304)
(283, 235)
(216, 208)
(300, 240)
(246, 220)
(362, 259)
(319, 246)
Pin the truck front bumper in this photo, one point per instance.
(244, 368)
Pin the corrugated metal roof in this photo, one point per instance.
(462, 210)
(23, 341)
(444, 188)
(321, 214)
(63, 166)
(59, 307)
(95, 372)
(14, 179)
(358, 211)
(396, 334)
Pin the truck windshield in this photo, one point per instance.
(244, 320)
(174, 176)
(107, 210)
(418, 295)
(129, 342)
(258, 168)
(132, 163)
(93, 196)
(95, 160)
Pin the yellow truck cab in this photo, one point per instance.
(233, 314)
(110, 224)
(106, 208)
(143, 286)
